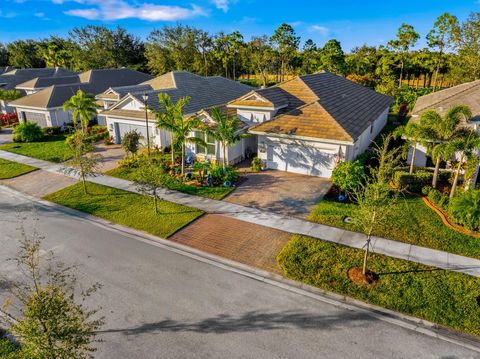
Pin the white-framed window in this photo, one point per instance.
(210, 141)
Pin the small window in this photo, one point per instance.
(209, 140)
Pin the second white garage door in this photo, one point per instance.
(301, 159)
(122, 128)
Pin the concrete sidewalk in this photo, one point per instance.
(426, 256)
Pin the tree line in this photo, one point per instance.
(452, 54)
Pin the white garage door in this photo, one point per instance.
(122, 128)
(301, 159)
(38, 118)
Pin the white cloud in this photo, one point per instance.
(7, 15)
(223, 4)
(320, 29)
(39, 14)
(121, 9)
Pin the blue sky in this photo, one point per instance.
(352, 22)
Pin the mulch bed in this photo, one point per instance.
(370, 279)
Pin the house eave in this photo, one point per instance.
(305, 138)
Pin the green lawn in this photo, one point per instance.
(51, 148)
(9, 169)
(209, 192)
(8, 350)
(447, 298)
(127, 208)
(413, 222)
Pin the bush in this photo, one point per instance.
(256, 165)
(438, 198)
(230, 175)
(412, 182)
(131, 141)
(426, 190)
(54, 130)
(465, 209)
(348, 175)
(27, 132)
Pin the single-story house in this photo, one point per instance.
(465, 94)
(124, 109)
(307, 124)
(10, 78)
(45, 106)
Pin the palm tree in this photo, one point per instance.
(466, 145)
(443, 130)
(171, 118)
(83, 107)
(225, 131)
(415, 133)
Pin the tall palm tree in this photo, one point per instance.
(83, 107)
(466, 145)
(225, 131)
(415, 133)
(170, 117)
(443, 130)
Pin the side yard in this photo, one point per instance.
(9, 169)
(447, 298)
(413, 222)
(127, 208)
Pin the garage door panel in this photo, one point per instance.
(123, 128)
(35, 117)
(301, 159)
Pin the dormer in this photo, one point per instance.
(254, 108)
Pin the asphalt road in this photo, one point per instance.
(160, 304)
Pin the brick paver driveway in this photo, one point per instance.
(110, 156)
(280, 192)
(230, 238)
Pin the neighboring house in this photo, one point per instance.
(307, 124)
(465, 94)
(39, 83)
(10, 78)
(45, 106)
(124, 109)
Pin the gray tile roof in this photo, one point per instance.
(93, 82)
(465, 94)
(17, 76)
(42, 82)
(204, 92)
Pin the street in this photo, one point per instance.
(161, 304)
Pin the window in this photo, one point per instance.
(209, 139)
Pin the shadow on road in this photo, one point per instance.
(251, 322)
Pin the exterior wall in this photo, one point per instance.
(369, 135)
(420, 156)
(133, 105)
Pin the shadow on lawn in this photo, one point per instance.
(252, 321)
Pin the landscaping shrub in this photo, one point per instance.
(464, 209)
(8, 119)
(256, 165)
(413, 182)
(216, 172)
(438, 198)
(448, 298)
(54, 130)
(27, 132)
(230, 175)
(348, 175)
(131, 141)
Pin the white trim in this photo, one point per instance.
(305, 138)
(34, 108)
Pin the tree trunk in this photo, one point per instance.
(282, 71)
(224, 157)
(412, 164)
(234, 76)
(401, 76)
(455, 179)
(435, 173)
(430, 80)
(436, 76)
(183, 159)
(424, 80)
(365, 257)
(172, 150)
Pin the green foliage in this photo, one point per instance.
(8, 350)
(348, 175)
(49, 148)
(131, 142)
(447, 298)
(53, 130)
(464, 208)
(27, 132)
(83, 106)
(438, 198)
(256, 165)
(413, 182)
(9, 95)
(150, 178)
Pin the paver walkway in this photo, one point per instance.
(247, 243)
(388, 247)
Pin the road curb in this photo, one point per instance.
(402, 320)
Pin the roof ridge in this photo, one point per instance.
(474, 83)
